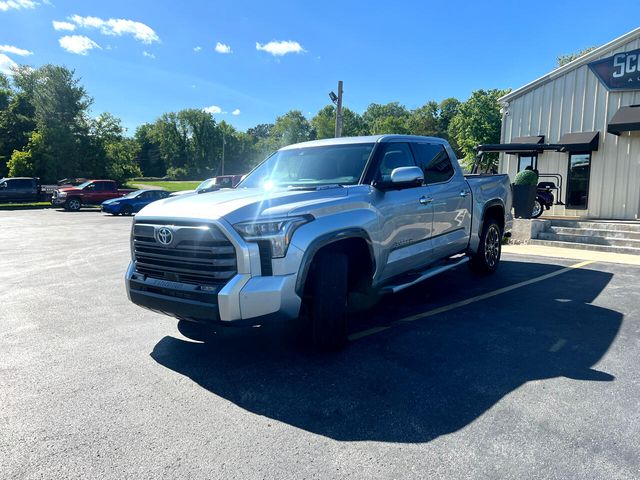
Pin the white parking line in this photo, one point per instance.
(468, 301)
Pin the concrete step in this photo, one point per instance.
(588, 239)
(596, 225)
(595, 232)
(586, 246)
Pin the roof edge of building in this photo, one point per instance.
(578, 62)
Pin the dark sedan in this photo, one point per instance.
(132, 202)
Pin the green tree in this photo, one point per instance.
(324, 123)
(17, 122)
(564, 59)
(149, 158)
(292, 127)
(478, 121)
(61, 105)
(388, 118)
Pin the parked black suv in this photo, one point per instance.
(20, 189)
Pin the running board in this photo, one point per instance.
(431, 272)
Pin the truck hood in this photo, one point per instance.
(69, 189)
(238, 205)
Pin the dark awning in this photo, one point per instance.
(626, 119)
(580, 142)
(528, 140)
(515, 148)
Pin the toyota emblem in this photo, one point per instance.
(164, 235)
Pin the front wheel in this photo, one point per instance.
(487, 258)
(327, 307)
(537, 209)
(73, 205)
(126, 210)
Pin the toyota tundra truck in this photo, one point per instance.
(318, 230)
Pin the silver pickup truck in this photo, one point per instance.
(319, 229)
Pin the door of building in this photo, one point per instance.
(578, 176)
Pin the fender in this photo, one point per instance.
(327, 239)
(491, 203)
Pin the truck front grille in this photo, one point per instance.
(195, 254)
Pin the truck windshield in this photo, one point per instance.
(311, 167)
(85, 184)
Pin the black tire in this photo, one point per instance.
(195, 331)
(538, 208)
(487, 259)
(72, 204)
(126, 210)
(327, 307)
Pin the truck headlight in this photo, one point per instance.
(277, 231)
(62, 194)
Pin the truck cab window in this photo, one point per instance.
(434, 161)
(394, 155)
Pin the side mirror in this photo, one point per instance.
(403, 177)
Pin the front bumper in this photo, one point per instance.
(244, 300)
(58, 200)
(109, 208)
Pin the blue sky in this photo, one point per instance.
(139, 59)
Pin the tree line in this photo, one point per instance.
(46, 130)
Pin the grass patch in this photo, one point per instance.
(165, 185)
(25, 206)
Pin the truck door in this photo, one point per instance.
(451, 199)
(405, 215)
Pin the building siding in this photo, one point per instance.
(577, 102)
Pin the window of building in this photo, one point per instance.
(527, 160)
(578, 180)
(434, 161)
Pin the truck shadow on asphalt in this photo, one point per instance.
(419, 380)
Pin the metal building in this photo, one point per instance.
(582, 122)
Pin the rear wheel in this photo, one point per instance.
(327, 305)
(72, 204)
(487, 259)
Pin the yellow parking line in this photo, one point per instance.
(468, 301)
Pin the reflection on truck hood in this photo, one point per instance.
(237, 205)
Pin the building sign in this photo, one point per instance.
(620, 72)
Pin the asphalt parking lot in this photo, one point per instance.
(530, 373)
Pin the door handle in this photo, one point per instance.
(464, 193)
(425, 201)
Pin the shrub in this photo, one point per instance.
(526, 177)
(177, 173)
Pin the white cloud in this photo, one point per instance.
(6, 64)
(15, 50)
(147, 54)
(70, 27)
(236, 112)
(213, 109)
(118, 27)
(280, 48)
(197, 49)
(223, 48)
(17, 4)
(78, 44)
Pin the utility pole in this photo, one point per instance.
(223, 144)
(339, 111)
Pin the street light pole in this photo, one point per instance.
(338, 132)
(223, 144)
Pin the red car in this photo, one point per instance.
(92, 192)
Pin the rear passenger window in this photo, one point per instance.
(434, 161)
